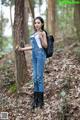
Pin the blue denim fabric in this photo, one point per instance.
(38, 61)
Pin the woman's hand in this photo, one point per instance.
(20, 49)
(43, 38)
(41, 35)
(26, 48)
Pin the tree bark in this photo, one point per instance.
(26, 16)
(21, 65)
(51, 16)
(31, 7)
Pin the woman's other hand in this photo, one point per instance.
(20, 49)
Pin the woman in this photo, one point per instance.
(38, 41)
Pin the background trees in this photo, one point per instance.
(77, 19)
(61, 20)
(61, 71)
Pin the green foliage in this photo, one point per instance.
(8, 44)
(2, 54)
(3, 22)
(64, 2)
(65, 18)
(12, 88)
(5, 43)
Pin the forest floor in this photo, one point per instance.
(61, 95)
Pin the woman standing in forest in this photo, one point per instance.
(38, 41)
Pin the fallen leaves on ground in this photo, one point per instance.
(61, 93)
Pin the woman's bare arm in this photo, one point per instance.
(43, 39)
(25, 48)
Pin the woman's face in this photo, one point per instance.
(37, 25)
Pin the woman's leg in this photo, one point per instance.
(34, 64)
(40, 72)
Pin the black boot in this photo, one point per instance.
(41, 100)
(35, 101)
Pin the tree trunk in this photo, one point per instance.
(21, 65)
(26, 16)
(31, 7)
(51, 16)
(11, 16)
(77, 19)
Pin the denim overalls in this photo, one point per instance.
(38, 61)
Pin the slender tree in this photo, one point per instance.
(51, 16)
(19, 23)
(26, 17)
(31, 5)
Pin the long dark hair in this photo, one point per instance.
(42, 21)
